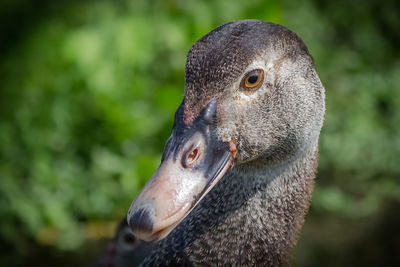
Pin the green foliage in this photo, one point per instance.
(359, 143)
(87, 102)
(88, 95)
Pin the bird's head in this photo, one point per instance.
(252, 96)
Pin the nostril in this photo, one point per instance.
(191, 157)
(141, 221)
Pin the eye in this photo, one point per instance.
(127, 240)
(252, 80)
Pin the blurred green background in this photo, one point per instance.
(87, 96)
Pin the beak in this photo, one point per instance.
(193, 162)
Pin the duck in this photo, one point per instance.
(237, 172)
(125, 250)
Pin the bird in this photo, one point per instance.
(125, 250)
(237, 173)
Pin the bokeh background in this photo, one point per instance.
(88, 90)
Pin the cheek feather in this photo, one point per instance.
(188, 117)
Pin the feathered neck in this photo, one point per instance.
(252, 217)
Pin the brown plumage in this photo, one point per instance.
(250, 213)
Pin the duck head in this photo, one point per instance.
(252, 98)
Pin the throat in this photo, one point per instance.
(251, 217)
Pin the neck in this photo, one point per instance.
(251, 217)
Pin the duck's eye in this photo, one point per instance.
(129, 239)
(252, 80)
(126, 240)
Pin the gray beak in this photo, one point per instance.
(193, 162)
